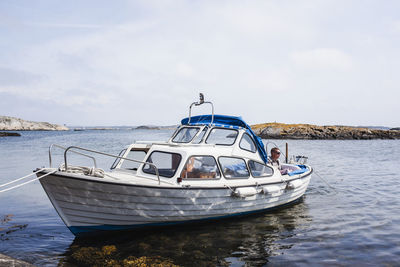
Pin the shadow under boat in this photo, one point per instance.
(252, 239)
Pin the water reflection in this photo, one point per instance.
(249, 240)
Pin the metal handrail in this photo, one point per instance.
(201, 102)
(109, 155)
(82, 154)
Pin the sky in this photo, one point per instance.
(130, 63)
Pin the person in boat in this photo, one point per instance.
(188, 171)
(195, 169)
(274, 159)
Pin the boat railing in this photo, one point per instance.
(150, 142)
(201, 102)
(173, 144)
(70, 149)
(76, 152)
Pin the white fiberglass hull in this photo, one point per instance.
(90, 205)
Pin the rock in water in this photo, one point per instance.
(8, 261)
(3, 134)
(16, 124)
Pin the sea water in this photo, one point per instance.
(355, 220)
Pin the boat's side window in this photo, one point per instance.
(201, 167)
(135, 155)
(185, 135)
(260, 170)
(166, 163)
(247, 143)
(221, 136)
(233, 167)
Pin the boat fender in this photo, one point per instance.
(294, 184)
(244, 192)
(271, 189)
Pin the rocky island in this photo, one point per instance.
(309, 131)
(16, 124)
(3, 134)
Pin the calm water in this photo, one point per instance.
(357, 223)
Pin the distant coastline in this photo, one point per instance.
(315, 132)
(265, 130)
(106, 128)
(15, 124)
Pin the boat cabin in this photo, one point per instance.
(202, 147)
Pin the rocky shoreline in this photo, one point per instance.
(16, 124)
(315, 132)
(8, 261)
(266, 130)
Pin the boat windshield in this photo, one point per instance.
(185, 134)
(199, 138)
(221, 136)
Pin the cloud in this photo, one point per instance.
(64, 25)
(153, 57)
(15, 77)
(325, 58)
(184, 69)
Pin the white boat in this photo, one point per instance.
(212, 167)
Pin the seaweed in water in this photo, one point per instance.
(6, 218)
(8, 228)
(109, 256)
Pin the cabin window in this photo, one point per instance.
(135, 155)
(260, 170)
(201, 167)
(166, 163)
(247, 143)
(199, 138)
(233, 167)
(221, 136)
(185, 135)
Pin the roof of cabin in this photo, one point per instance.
(229, 122)
(219, 120)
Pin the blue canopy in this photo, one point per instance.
(229, 122)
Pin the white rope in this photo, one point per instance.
(228, 187)
(71, 169)
(30, 181)
(326, 182)
(96, 172)
(16, 180)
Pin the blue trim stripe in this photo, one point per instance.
(217, 125)
(84, 230)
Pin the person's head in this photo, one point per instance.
(275, 153)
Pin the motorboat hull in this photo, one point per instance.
(88, 205)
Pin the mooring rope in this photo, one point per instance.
(326, 182)
(19, 179)
(228, 187)
(30, 181)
